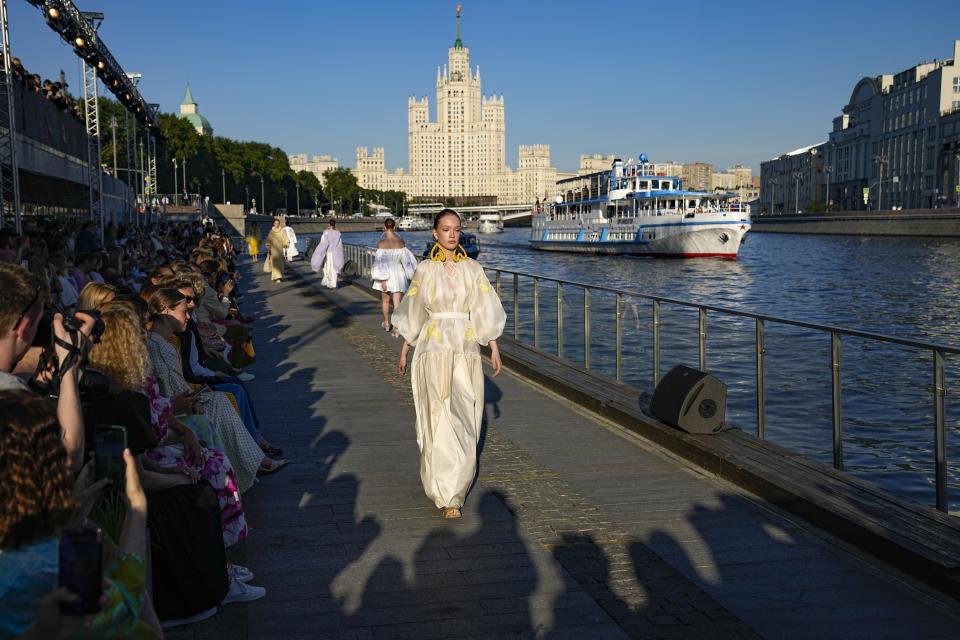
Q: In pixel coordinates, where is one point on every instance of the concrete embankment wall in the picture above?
(941, 223)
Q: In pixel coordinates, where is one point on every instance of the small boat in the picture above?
(633, 209)
(469, 241)
(491, 223)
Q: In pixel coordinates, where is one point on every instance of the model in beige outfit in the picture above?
(277, 243)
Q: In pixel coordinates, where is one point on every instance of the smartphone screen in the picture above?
(80, 569)
(110, 441)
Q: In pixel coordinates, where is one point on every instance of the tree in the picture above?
(342, 185)
(182, 140)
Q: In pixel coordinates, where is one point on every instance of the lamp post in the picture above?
(176, 187)
(827, 170)
(298, 199)
(141, 190)
(223, 181)
(956, 187)
(797, 176)
(263, 200)
(881, 160)
(246, 199)
(185, 178)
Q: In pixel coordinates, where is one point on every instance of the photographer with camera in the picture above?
(22, 301)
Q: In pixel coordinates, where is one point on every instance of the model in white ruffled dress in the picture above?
(449, 310)
(393, 266)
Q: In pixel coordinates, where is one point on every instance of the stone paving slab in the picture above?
(574, 530)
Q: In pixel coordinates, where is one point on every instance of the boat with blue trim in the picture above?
(633, 209)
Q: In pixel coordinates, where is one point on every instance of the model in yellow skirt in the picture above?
(253, 241)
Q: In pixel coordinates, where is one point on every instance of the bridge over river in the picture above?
(576, 528)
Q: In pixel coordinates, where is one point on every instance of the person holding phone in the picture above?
(43, 546)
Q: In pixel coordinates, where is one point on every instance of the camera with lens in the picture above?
(72, 324)
(92, 384)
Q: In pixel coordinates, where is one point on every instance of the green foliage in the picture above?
(244, 169)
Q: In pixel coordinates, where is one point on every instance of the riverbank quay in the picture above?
(575, 528)
(932, 223)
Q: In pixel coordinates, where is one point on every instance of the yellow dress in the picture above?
(253, 240)
(277, 242)
(449, 310)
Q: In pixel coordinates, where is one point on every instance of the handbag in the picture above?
(266, 264)
(244, 355)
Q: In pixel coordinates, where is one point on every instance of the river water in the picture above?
(899, 286)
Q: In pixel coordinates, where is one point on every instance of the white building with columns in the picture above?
(462, 154)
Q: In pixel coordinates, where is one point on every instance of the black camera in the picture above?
(91, 383)
(72, 324)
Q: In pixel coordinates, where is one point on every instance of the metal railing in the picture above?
(363, 256)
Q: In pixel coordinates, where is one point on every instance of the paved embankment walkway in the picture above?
(574, 530)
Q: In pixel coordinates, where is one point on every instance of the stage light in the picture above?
(79, 42)
(53, 13)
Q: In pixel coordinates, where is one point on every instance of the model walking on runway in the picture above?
(449, 310)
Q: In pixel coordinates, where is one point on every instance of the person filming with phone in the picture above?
(58, 577)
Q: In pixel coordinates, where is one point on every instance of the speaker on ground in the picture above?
(690, 400)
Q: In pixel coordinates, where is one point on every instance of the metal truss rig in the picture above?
(9, 169)
(77, 30)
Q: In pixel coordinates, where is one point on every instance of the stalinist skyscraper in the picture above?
(462, 153)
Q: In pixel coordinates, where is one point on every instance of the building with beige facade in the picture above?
(316, 165)
(697, 176)
(462, 154)
(891, 142)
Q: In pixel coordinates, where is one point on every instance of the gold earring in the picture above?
(438, 253)
(459, 253)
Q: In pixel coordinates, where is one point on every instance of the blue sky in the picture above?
(719, 82)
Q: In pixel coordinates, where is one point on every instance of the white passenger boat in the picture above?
(632, 210)
(491, 223)
(412, 223)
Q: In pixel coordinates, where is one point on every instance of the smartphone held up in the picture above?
(81, 553)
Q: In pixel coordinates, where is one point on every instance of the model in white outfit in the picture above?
(291, 251)
(449, 311)
(392, 269)
(329, 256)
(393, 266)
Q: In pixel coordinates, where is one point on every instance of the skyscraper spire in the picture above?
(458, 44)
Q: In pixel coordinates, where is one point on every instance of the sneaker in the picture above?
(243, 376)
(240, 592)
(238, 573)
(177, 622)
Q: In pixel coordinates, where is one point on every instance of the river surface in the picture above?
(905, 287)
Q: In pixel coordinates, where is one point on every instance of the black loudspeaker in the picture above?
(690, 400)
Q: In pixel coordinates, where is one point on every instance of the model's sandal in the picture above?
(451, 513)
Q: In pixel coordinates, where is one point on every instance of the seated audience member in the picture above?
(168, 313)
(122, 355)
(80, 273)
(94, 295)
(196, 373)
